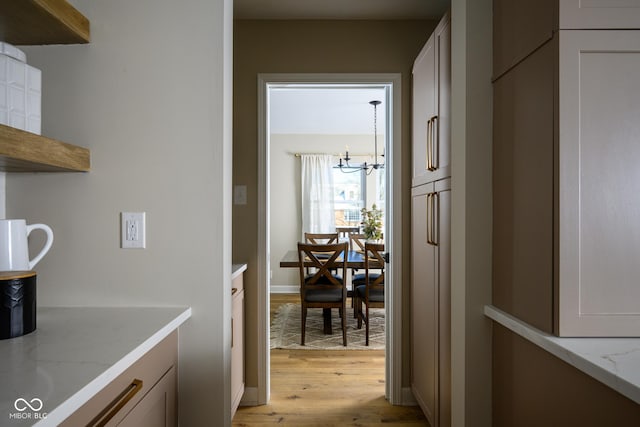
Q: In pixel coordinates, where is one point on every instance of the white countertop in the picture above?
(72, 354)
(237, 269)
(612, 361)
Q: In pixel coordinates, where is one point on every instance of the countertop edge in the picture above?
(237, 269)
(562, 348)
(82, 396)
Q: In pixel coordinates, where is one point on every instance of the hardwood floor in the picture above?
(327, 388)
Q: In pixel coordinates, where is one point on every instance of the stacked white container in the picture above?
(20, 90)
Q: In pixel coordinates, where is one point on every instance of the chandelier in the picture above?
(344, 165)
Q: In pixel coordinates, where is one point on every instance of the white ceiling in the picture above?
(329, 110)
(340, 9)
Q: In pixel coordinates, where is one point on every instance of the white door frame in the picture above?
(393, 293)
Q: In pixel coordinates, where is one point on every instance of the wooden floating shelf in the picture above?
(38, 22)
(22, 151)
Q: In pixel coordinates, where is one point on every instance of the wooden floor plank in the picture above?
(327, 388)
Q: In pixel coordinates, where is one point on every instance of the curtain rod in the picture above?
(336, 155)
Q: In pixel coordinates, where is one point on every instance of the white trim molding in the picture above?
(392, 83)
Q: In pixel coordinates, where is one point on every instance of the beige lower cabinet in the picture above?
(237, 344)
(431, 300)
(144, 395)
(158, 406)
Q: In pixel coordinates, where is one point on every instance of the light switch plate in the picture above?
(133, 230)
(240, 195)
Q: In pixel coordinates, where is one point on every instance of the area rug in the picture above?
(285, 330)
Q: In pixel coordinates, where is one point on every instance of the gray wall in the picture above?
(151, 97)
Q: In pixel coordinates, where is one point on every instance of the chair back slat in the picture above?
(356, 241)
(374, 259)
(321, 238)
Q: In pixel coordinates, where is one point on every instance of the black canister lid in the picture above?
(12, 275)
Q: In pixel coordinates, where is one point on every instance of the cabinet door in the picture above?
(441, 144)
(599, 14)
(424, 301)
(599, 183)
(431, 107)
(424, 109)
(443, 253)
(237, 351)
(158, 407)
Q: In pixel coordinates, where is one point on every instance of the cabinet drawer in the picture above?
(158, 408)
(122, 394)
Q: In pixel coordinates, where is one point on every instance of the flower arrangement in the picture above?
(372, 223)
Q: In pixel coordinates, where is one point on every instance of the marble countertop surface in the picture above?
(73, 353)
(612, 361)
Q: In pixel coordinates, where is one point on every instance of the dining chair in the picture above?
(323, 289)
(321, 238)
(369, 289)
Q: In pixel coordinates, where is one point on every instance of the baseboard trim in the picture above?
(284, 289)
(407, 397)
(250, 397)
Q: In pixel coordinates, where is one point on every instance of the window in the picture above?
(349, 192)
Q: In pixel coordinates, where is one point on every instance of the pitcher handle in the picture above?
(47, 245)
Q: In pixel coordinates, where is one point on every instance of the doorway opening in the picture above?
(283, 202)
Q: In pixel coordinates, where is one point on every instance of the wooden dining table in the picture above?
(355, 259)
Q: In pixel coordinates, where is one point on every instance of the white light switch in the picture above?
(133, 233)
(240, 195)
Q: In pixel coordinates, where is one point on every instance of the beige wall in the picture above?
(310, 47)
(150, 96)
(471, 137)
(284, 179)
(532, 387)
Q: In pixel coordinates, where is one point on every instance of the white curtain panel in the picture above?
(317, 194)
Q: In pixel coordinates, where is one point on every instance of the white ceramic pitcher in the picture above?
(14, 246)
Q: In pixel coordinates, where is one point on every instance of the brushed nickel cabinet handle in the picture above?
(116, 405)
(231, 332)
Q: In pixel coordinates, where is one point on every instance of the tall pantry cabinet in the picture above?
(431, 228)
(567, 165)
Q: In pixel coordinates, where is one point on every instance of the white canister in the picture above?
(20, 91)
